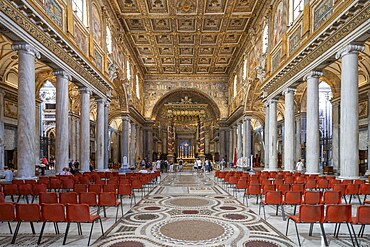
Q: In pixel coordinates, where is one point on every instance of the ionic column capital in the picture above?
(349, 49)
(272, 101)
(26, 48)
(247, 118)
(63, 74)
(288, 90)
(84, 90)
(100, 100)
(313, 74)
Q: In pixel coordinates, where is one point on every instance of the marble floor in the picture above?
(186, 209)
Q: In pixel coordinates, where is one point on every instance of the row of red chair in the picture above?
(56, 213)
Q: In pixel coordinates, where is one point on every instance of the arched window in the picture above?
(235, 84)
(109, 40)
(295, 9)
(137, 87)
(78, 7)
(265, 39)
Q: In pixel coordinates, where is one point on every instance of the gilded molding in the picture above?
(349, 49)
(26, 48)
(26, 23)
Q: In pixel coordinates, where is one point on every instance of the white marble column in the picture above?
(230, 146)
(133, 138)
(99, 136)
(335, 136)
(62, 135)
(266, 135)
(247, 147)
(106, 135)
(235, 141)
(125, 138)
(273, 152)
(85, 129)
(2, 136)
(26, 129)
(222, 144)
(289, 130)
(298, 129)
(313, 137)
(349, 134)
(71, 137)
(149, 146)
(240, 140)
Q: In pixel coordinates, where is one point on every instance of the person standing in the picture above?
(299, 166)
(223, 164)
(180, 165)
(8, 173)
(199, 164)
(206, 165)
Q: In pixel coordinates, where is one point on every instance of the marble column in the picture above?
(247, 147)
(222, 144)
(26, 129)
(239, 140)
(230, 146)
(125, 139)
(2, 136)
(62, 135)
(298, 129)
(273, 152)
(289, 130)
(335, 136)
(202, 136)
(77, 141)
(72, 136)
(235, 142)
(38, 131)
(106, 135)
(349, 127)
(133, 144)
(85, 129)
(99, 136)
(164, 143)
(313, 137)
(266, 135)
(149, 145)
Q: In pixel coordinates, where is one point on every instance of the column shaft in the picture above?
(133, 144)
(313, 138)
(289, 130)
(85, 130)
(230, 146)
(240, 140)
(99, 136)
(106, 136)
(335, 137)
(125, 140)
(273, 136)
(349, 128)
(247, 139)
(298, 153)
(266, 136)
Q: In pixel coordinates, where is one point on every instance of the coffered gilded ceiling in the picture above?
(186, 36)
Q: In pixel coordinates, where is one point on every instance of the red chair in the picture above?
(51, 213)
(252, 190)
(110, 188)
(308, 214)
(24, 190)
(353, 190)
(298, 188)
(365, 190)
(11, 190)
(18, 182)
(311, 184)
(312, 197)
(48, 197)
(7, 213)
(340, 188)
(125, 190)
(271, 198)
(26, 213)
(68, 184)
(68, 197)
(323, 184)
(108, 199)
(241, 185)
(292, 198)
(88, 198)
(2, 197)
(56, 184)
(78, 188)
(95, 188)
(283, 188)
(136, 184)
(362, 218)
(332, 197)
(340, 214)
(37, 189)
(80, 213)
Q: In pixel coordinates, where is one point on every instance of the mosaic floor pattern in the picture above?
(190, 210)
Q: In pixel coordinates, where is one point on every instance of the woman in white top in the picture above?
(299, 166)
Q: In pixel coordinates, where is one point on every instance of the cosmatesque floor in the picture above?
(187, 209)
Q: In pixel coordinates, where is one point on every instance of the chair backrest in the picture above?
(124, 189)
(39, 188)
(312, 197)
(68, 197)
(53, 212)
(347, 181)
(95, 188)
(298, 188)
(25, 189)
(109, 188)
(2, 197)
(7, 211)
(269, 187)
(284, 188)
(352, 189)
(107, 199)
(365, 189)
(48, 197)
(311, 213)
(88, 198)
(293, 198)
(332, 197)
(363, 215)
(273, 197)
(28, 212)
(67, 183)
(338, 213)
(254, 189)
(18, 181)
(78, 188)
(10, 189)
(78, 212)
(339, 188)
(322, 183)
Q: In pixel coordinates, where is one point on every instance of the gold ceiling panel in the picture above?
(186, 36)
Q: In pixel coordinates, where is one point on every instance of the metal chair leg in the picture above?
(92, 226)
(323, 234)
(16, 231)
(66, 234)
(41, 232)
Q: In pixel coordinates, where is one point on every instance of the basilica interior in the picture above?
(98, 92)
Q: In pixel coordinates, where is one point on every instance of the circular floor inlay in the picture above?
(190, 212)
(146, 216)
(196, 230)
(128, 244)
(189, 202)
(235, 216)
(228, 208)
(152, 208)
(259, 243)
